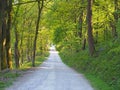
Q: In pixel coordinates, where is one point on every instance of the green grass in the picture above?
(102, 71)
(97, 83)
(38, 61)
(7, 79)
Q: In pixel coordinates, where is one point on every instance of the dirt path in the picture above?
(52, 75)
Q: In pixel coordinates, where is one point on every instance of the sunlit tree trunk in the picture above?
(89, 22)
(8, 46)
(0, 33)
(3, 25)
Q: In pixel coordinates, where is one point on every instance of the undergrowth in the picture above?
(102, 70)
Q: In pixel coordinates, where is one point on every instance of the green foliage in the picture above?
(62, 21)
(39, 60)
(102, 71)
(97, 83)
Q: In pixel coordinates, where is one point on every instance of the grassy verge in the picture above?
(28, 65)
(7, 78)
(101, 71)
(97, 83)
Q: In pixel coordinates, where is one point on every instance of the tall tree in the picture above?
(37, 28)
(16, 50)
(116, 8)
(0, 33)
(5, 24)
(8, 37)
(89, 23)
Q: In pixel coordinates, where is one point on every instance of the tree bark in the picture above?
(37, 28)
(0, 34)
(114, 32)
(5, 23)
(84, 44)
(21, 49)
(3, 33)
(8, 47)
(16, 50)
(89, 22)
(81, 21)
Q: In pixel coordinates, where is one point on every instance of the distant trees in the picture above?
(72, 23)
(19, 30)
(77, 21)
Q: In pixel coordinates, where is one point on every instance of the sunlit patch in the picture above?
(9, 50)
(53, 52)
(4, 42)
(45, 67)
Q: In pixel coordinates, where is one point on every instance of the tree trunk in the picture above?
(96, 37)
(21, 49)
(0, 33)
(3, 33)
(113, 25)
(8, 49)
(81, 21)
(37, 28)
(89, 22)
(16, 50)
(84, 44)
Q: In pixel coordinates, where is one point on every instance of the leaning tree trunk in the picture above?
(37, 28)
(89, 22)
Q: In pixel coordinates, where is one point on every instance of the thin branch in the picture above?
(22, 3)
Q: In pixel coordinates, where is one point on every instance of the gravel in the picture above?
(53, 74)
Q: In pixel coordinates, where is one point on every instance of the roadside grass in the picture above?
(28, 65)
(7, 78)
(101, 71)
(97, 83)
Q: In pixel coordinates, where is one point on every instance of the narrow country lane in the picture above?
(52, 75)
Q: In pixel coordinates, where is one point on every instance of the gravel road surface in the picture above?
(53, 74)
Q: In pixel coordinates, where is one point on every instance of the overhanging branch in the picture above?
(28, 2)
(22, 3)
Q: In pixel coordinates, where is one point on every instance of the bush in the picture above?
(106, 66)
